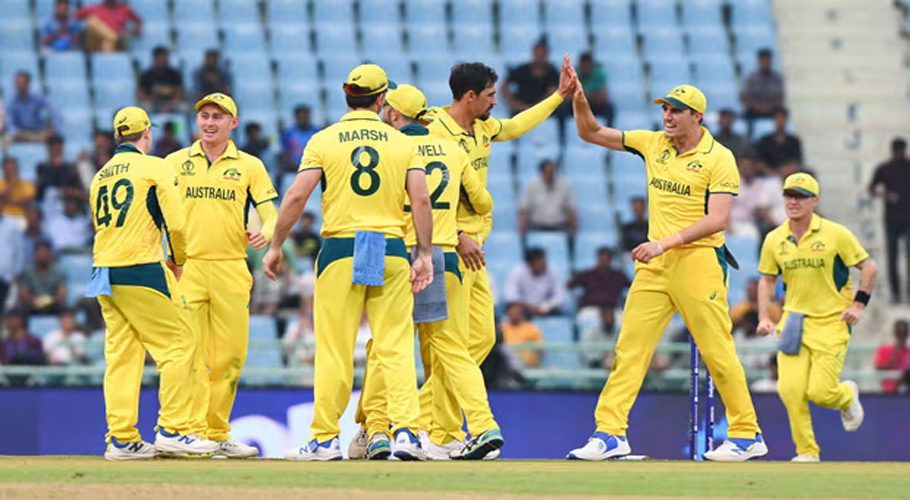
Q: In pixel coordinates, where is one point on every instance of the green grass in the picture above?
(660, 478)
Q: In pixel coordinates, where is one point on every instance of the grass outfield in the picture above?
(92, 477)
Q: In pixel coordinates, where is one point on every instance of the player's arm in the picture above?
(589, 129)
(171, 205)
(422, 215)
(868, 270)
(262, 192)
(713, 222)
(476, 193)
(766, 285)
(523, 122)
(291, 207)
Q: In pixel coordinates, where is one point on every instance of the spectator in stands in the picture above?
(11, 258)
(42, 286)
(306, 237)
(168, 143)
(16, 193)
(161, 86)
(767, 385)
(895, 357)
(19, 347)
(30, 118)
(531, 82)
(763, 91)
(518, 329)
(535, 286)
(779, 147)
(759, 207)
(56, 176)
(34, 233)
(106, 25)
(891, 182)
(71, 231)
(547, 203)
(90, 163)
(61, 32)
(594, 81)
(256, 143)
(635, 231)
(65, 345)
(212, 76)
(601, 288)
(738, 144)
(295, 139)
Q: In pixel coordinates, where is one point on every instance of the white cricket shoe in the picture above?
(442, 451)
(231, 448)
(853, 416)
(805, 459)
(407, 446)
(315, 451)
(183, 445)
(135, 450)
(738, 450)
(601, 446)
(357, 449)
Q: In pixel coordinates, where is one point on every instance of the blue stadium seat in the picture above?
(708, 42)
(283, 12)
(614, 41)
(197, 11)
(545, 135)
(16, 37)
(566, 13)
(334, 12)
(747, 13)
(244, 38)
(721, 94)
(567, 40)
(197, 36)
(750, 40)
(265, 351)
(18, 12)
(655, 14)
(397, 68)
(520, 12)
(555, 244)
(468, 38)
(382, 42)
(66, 94)
(333, 40)
(115, 93)
(427, 41)
(714, 69)
(75, 128)
(529, 157)
(645, 120)
(555, 329)
(265, 116)
(375, 13)
(502, 246)
(516, 42)
(233, 12)
(590, 239)
(335, 104)
(29, 156)
(437, 93)
(44, 10)
(420, 12)
(289, 39)
(298, 68)
(64, 66)
(662, 44)
(583, 160)
(590, 187)
(472, 13)
(13, 62)
(40, 325)
(505, 218)
(154, 33)
(150, 10)
(697, 14)
(610, 13)
(433, 69)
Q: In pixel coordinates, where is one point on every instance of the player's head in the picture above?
(216, 117)
(474, 87)
(683, 110)
(132, 126)
(405, 104)
(801, 192)
(366, 87)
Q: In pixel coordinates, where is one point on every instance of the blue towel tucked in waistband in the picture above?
(791, 337)
(430, 304)
(369, 258)
(100, 283)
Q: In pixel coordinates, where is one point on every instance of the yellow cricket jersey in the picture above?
(448, 177)
(364, 165)
(477, 147)
(679, 184)
(816, 269)
(217, 198)
(133, 199)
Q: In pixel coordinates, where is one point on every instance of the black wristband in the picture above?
(862, 297)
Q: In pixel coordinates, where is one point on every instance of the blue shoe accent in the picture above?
(165, 433)
(411, 437)
(744, 444)
(611, 440)
(482, 445)
(379, 449)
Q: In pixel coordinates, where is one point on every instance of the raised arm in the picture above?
(523, 122)
(589, 129)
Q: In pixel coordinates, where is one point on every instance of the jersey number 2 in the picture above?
(113, 199)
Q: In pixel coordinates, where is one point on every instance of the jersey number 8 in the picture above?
(369, 170)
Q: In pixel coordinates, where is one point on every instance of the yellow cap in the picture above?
(685, 96)
(802, 182)
(407, 100)
(131, 120)
(223, 101)
(366, 79)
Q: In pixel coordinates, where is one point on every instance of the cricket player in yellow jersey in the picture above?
(814, 255)
(440, 310)
(220, 184)
(468, 123)
(133, 200)
(368, 172)
(692, 180)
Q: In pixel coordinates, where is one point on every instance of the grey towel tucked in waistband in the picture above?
(791, 336)
(430, 304)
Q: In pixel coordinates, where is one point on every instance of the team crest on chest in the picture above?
(486, 141)
(783, 248)
(232, 174)
(694, 166)
(188, 168)
(464, 145)
(818, 246)
(664, 156)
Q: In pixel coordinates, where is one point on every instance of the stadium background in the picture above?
(846, 88)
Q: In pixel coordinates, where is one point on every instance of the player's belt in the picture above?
(343, 248)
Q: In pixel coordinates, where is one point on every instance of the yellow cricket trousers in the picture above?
(218, 293)
(691, 280)
(146, 312)
(813, 375)
(338, 306)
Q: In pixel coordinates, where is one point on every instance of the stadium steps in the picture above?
(846, 88)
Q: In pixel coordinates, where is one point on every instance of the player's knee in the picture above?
(822, 393)
(790, 392)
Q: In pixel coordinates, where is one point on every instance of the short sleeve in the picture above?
(312, 156)
(416, 162)
(261, 188)
(724, 177)
(850, 249)
(636, 141)
(767, 264)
